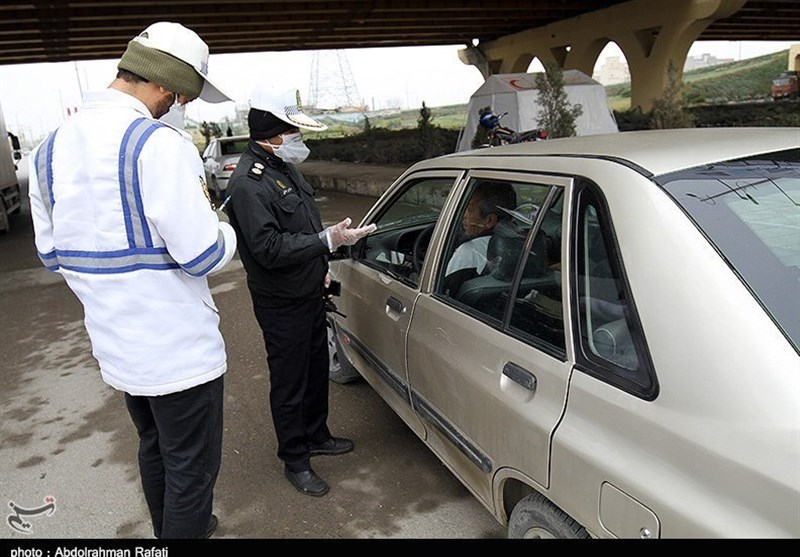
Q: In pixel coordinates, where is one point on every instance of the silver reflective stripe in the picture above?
(115, 261)
(48, 260)
(200, 265)
(44, 172)
(141, 254)
(132, 142)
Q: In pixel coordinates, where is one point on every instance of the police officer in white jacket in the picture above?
(119, 209)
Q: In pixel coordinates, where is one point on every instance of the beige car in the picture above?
(623, 358)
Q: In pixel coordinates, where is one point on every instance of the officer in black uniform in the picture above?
(284, 250)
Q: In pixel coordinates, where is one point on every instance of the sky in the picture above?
(35, 98)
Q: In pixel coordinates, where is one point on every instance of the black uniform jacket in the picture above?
(277, 224)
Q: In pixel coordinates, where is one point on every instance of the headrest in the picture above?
(503, 251)
(505, 247)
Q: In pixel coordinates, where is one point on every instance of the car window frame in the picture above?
(586, 362)
(554, 182)
(392, 195)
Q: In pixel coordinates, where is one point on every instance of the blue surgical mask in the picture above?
(292, 150)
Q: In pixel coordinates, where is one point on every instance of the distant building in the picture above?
(704, 61)
(613, 71)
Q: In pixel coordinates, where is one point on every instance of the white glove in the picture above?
(341, 235)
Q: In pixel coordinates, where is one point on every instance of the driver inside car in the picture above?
(484, 211)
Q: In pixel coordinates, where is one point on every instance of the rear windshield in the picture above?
(750, 210)
(233, 147)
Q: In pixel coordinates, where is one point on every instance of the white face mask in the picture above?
(176, 116)
(292, 150)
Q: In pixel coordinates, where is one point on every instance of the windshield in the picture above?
(750, 210)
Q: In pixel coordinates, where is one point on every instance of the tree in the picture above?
(207, 130)
(425, 117)
(558, 115)
(670, 110)
(427, 136)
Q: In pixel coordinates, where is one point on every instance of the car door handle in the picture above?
(395, 305)
(520, 376)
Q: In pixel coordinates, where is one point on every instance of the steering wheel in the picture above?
(528, 209)
(421, 247)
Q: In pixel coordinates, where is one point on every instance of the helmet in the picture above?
(489, 120)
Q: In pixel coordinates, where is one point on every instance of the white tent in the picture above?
(516, 94)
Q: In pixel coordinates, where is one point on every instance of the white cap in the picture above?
(285, 105)
(185, 45)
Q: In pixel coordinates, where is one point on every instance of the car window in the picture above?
(209, 149)
(612, 344)
(234, 147)
(485, 243)
(404, 229)
(750, 210)
(538, 311)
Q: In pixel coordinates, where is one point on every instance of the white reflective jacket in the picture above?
(119, 210)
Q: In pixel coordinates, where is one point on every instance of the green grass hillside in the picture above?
(746, 80)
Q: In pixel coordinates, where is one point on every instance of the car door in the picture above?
(380, 284)
(487, 364)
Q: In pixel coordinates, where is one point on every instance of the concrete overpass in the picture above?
(499, 35)
(651, 34)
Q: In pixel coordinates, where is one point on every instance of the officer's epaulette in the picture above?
(256, 170)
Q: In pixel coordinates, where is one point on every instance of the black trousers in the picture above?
(180, 448)
(297, 354)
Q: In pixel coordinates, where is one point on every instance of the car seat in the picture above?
(486, 293)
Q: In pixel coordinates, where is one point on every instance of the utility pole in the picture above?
(332, 86)
(78, 77)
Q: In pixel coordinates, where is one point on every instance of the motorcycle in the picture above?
(502, 135)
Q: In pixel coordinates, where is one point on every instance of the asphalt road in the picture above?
(65, 434)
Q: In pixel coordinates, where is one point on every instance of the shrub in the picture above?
(558, 114)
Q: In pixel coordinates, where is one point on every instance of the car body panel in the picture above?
(455, 381)
(712, 450)
(379, 311)
(717, 431)
(441, 338)
(373, 331)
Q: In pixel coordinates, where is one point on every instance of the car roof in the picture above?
(653, 151)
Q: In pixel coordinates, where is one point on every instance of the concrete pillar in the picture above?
(794, 58)
(650, 33)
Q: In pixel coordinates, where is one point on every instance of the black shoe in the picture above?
(212, 526)
(333, 446)
(307, 482)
